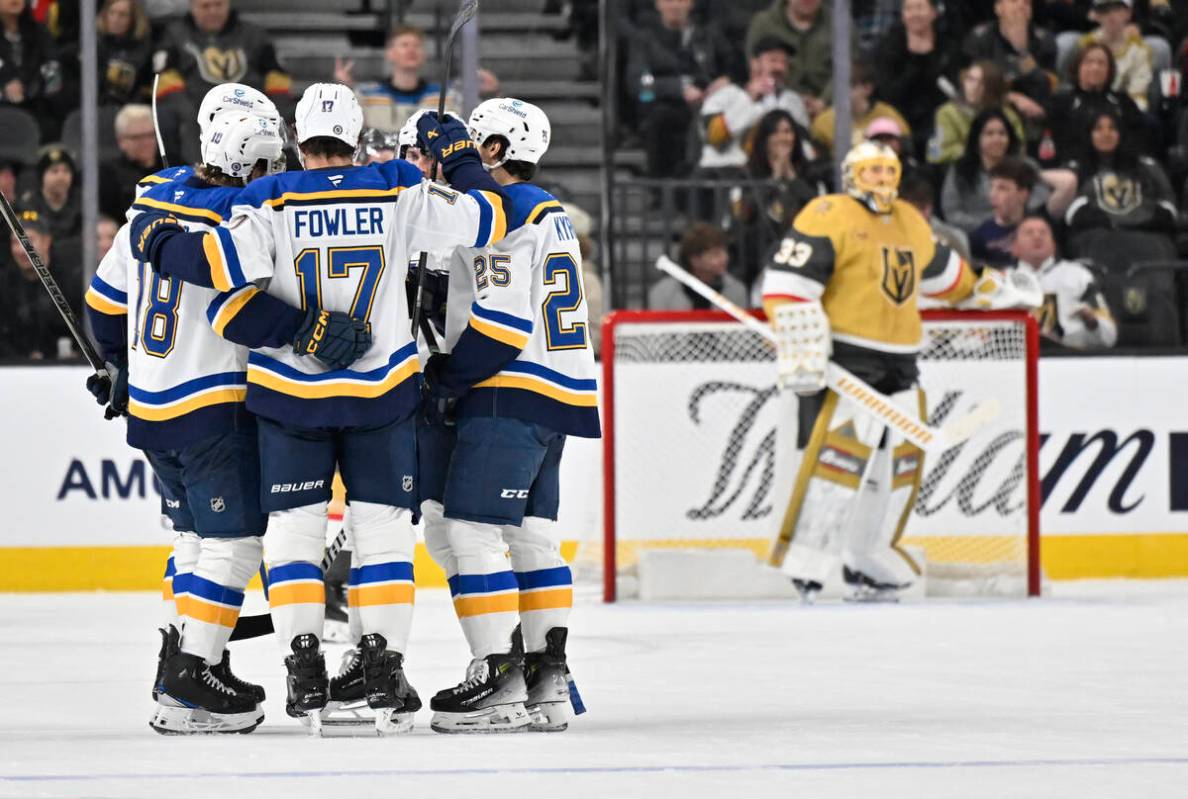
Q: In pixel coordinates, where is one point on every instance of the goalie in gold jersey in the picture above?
(850, 271)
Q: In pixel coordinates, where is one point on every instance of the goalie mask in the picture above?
(523, 125)
(236, 142)
(870, 174)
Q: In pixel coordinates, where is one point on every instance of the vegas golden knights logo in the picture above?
(1048, 317)
(220, 66)
(1118, 194)
(899, 274)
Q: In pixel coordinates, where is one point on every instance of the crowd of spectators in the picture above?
(1003, 111)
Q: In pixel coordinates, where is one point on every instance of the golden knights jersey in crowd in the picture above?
(339, 238)
(516, 322)
(867, 269)
(184, 382)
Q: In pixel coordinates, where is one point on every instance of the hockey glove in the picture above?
(110, 388)
(449, 141)
(437, 403)
(148, 231)
(334, 338)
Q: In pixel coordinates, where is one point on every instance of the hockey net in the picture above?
(699, 449)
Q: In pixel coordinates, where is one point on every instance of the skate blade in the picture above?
(496, 719)
(312, 721)
(873, 598)
(550, 716)
(176, 719)
(390, 721)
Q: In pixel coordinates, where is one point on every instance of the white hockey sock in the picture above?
(293, 549)
(381, 583)
(178, 568)
(486, 595)
(215, 594)
(545, 581)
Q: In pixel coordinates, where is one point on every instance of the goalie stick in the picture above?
(465, 14)
(156, 125)
(51, 286)
(871, 402)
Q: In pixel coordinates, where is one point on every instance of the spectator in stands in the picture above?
(918, 190)
(779, 168)
(138, 157)
(910, 59)
(55, 199)
(982, 87)
(30, 74)
(729, 115)
(125, 52)
(209, 46)
(1132, 56)
(807, 28)
(872, 20)
(387, 105)
(1011, 183)
(965, 195)
(1118, 188)
(702, 251)
(1073, 110)
(886, 130)
(30, 326)
(1025, 53)
(9, 172)
(674, 65)
(105, 232)
(1075, 312)
(864, 109)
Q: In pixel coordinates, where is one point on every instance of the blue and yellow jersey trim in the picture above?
(207, 601)
(539, 379)
(296, 583)
(332, 197)
(225, 270)
(227, 306)
(284, 379)
(545, 589)
(541, 210)
(492, 218)
(167, 175)
(189, 213)
(502, 327)
(105, 298)
(381, 584)
(480, 594)
(201, 392)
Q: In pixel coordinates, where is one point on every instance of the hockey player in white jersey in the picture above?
(337, 236)
(185, 401)
(519, 378)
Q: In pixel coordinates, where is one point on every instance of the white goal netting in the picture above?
(701, 448)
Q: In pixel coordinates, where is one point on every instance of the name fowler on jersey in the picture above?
(338, 221)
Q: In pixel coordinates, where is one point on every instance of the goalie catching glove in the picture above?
(803, 345)
(334, 338)
(1000, 290)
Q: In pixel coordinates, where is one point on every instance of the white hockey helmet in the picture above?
(236, 141)
(525, 127)
(231, 97)
(329, 109)
(407, 137)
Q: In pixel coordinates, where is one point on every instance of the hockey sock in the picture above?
(485, 591)
(215, 594)
(178, 568)
(380, 589)
(293, 549)
(545, 581)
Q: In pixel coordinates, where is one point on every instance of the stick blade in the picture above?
(959, 430)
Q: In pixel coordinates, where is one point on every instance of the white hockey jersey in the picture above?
(1069, 287)
(185, 382)
(517, 326)
(341, 238)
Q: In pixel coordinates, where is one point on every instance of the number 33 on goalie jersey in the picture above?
(867, 270)
(340, 239)
(517, 326)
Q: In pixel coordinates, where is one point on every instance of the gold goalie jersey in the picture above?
(867, 270)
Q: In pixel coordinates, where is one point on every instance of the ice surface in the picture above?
(1077, 695)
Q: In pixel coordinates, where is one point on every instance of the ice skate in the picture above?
(222, 670)
(549, 685)
(385, 686)
(193, 700)
(862, 588)
(808, 590)
(170, 643)
(308, 686)
(348, 708)
(490, 699)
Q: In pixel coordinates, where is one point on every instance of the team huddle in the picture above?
(416, 327)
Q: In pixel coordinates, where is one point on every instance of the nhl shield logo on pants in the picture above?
(217, 504)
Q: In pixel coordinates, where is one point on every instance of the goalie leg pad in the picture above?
(381, 581)
(544, 578)
(485, 591)
(215, 594)
(293, 550)
(178, 569)
(889, 496)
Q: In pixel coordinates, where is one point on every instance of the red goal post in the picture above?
(697, 456)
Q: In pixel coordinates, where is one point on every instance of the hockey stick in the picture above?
(261, 624)
(156, 125)
(465, 14)
(51, 286)
(871, 402)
